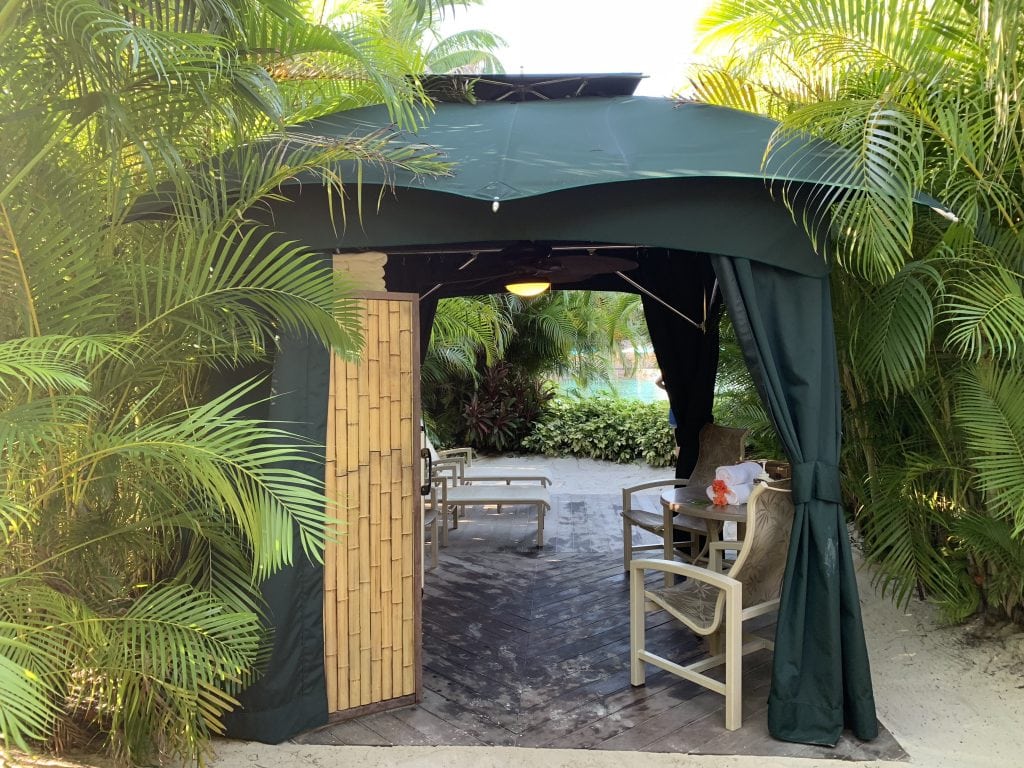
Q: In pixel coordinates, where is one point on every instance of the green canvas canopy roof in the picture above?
(616, 168)
(507, 151)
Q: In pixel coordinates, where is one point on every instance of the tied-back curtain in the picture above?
(821, 679)
(291, 695)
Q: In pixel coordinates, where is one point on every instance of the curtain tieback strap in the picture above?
(816, 480)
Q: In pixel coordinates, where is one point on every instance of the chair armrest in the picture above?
(445, 467)
(675, 481)
(457, 454)
(719, 580)
(460, 460)
(717, 549)
(627, 493)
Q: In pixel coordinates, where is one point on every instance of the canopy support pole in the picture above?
(699, 326)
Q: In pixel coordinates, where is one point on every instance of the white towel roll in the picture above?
(739, 474)
(734, 494)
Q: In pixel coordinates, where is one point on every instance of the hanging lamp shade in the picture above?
(527, 289)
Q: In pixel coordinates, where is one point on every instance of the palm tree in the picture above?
(140, 508)
(929, 313)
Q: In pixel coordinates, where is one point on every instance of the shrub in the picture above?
(605, 428)
(507, 403)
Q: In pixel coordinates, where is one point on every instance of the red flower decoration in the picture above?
(720, 489)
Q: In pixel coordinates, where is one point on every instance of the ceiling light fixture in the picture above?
(527, 289)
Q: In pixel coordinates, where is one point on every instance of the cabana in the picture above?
(572, 180)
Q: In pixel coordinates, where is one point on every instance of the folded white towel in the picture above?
(734, 494)
(739, 474)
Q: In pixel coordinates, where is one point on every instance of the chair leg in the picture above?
(540, 526)
(637, 632)
(434, 544)
(734, 662)
(627, 534)
(716, 642)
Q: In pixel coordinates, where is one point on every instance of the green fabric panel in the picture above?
(821, 679)
(291, 695)
(721, 216)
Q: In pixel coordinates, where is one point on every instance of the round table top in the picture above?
(695, 502)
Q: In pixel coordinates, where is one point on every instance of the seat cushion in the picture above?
(499, 494)
(505, 474)
(654, 523)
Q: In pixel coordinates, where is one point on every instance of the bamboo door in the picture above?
(372, 569)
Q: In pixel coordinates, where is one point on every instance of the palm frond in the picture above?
(163, 664)
(869, 197)
(899, 535)
(468, 48)
(999, 557)
(240, 465)
(895, 326)
(990, 411)
(984, 311)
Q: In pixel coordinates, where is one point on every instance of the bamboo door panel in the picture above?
(371, 570)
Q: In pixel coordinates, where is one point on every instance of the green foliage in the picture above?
(929, 313)
(605, 428)
(996, 562)
(505, 406)
(405, 23)
(563, 333)
(142, 499)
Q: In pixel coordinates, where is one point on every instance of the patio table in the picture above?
(693, 503)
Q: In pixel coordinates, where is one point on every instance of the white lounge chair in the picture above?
(448, 495)
(468, 472)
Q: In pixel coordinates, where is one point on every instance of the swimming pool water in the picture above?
(628, 389)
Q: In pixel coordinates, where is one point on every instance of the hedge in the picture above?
(606, 428)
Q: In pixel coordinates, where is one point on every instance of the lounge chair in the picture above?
(448, 494)
(715, 604)
(468, 472)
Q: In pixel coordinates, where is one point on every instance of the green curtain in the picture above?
(821, 679)
(291, 695)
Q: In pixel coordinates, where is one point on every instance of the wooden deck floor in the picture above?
(530, 647)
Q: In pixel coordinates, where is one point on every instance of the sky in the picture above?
(653, 37)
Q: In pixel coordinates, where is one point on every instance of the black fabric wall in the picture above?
(687, 356)
(291, 695)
